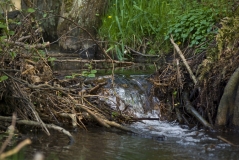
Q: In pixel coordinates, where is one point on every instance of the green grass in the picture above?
(144, 25)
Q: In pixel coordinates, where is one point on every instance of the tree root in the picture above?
(228, 107)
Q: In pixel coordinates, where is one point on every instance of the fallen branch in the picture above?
(37, 124)
(97, 87)
(94, 61)
(28, 46)
(141, 54)
(116, 125)
(192, 111)
(104, 122)
(224, 140)
(98, 119)
(184, 61)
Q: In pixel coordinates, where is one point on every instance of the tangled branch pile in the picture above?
(29, 88)
(213, 69)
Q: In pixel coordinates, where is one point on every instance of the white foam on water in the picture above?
(130, 100)
(157, 127)
(183, 135)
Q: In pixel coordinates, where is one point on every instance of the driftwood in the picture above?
(37, 124)
(192, 111)
(224, 140)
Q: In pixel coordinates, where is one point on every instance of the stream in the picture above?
(154, 139)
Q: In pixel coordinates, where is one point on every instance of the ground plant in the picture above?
(147, 25)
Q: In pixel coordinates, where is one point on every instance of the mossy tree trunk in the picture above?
(228, 110)
(85, 13)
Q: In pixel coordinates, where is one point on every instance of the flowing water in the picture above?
(155, 139)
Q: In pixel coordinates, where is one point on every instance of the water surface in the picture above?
(103, 144)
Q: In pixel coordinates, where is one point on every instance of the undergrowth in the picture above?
(147, 25)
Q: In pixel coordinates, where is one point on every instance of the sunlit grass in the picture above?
(145, 24)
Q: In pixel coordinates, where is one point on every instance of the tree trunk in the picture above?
(228, 110)
(86, 14)
(50, 22)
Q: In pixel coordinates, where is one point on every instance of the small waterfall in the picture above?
(131, 95)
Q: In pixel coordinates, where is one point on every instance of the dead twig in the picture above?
(184, 61)
(16, 149)
(28, 46)
(11, 132)
(38, 124)
(224, 140)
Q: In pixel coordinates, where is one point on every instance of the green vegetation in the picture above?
(3, 78)
(227, 34)
(196, 27)
(90, 72)
(147, 25)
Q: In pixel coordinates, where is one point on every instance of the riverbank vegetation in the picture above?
(201, 35)
(206, 33)
(147, 26)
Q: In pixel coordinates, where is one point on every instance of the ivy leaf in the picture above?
(91, 75)
(44, 15)
(68, 77)
(51, 59)
(3, 78)
(3, 25)
(93, 71)
(31, 10)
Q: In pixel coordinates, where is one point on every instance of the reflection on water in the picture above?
(98, 144)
